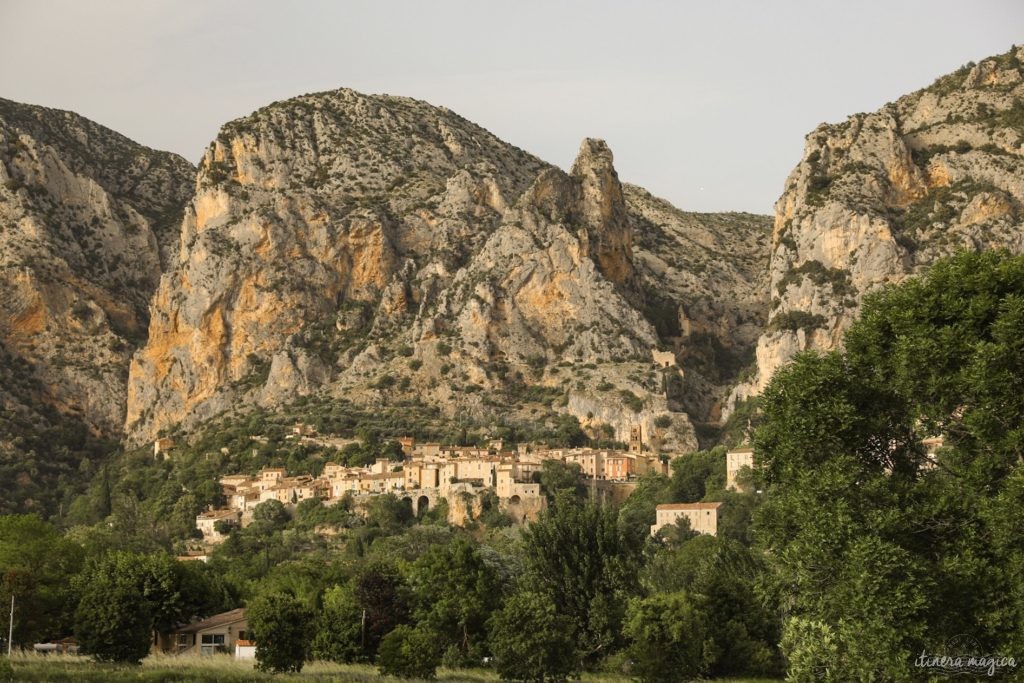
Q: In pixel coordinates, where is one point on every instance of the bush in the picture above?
(663, 421)
(280, 624)
(443, 348)
(632, 401)
(796, 320)
(812, 650)
(667, 634)
(531, 641)
(409, 652)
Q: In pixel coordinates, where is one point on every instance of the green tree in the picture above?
(125, 597)
(697, 474)
(721, 579)
(894, 551)
(557, 477)
(667, 633)
(456, 593)
(272, 514)
(389, 513)
(409, 652)
(531, 641)
(357, 615)
(280, 625)
(36, 566)
(577, 558)
(112, 622)
(339, 627)
(639, 510)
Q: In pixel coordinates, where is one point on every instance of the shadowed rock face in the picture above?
(89, 221)
(335, 237)
(881, 196)
(602, 209)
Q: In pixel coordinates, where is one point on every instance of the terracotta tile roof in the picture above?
(216, 620)
(689, 506)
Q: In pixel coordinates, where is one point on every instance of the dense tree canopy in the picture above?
(37, 565)
(125, 596)
(281, 625)
(889, 550)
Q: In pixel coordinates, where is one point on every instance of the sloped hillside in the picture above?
(89, 220)
(883, 195)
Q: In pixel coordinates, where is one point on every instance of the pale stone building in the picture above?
(162, 446)
(206, 522)
(703, 517)
(217, 634)
(735, 460)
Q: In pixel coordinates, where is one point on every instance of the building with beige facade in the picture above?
(736, 460)
(703, 517)
(220, 633)
(206, 522)
(431, 472)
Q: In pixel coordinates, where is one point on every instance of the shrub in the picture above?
(409, 652)
(279, 623)
(819, 275)
(663, 421)
(531, 641)
(796, 320)
(631, 400)
(812, 650)
(443, 348)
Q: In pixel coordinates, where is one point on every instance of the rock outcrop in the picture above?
(377, 247)
(881, 196)
(90, 220)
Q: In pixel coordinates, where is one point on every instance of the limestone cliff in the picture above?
(883, 195)
(377, 248)
(89, 220)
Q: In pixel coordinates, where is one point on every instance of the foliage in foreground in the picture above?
(280, 625)
(879, 550)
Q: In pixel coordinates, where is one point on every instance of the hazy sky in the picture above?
(704, 103)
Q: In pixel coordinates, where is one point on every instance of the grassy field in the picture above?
(216, 668)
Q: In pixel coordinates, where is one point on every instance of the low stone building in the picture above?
(207, 521)
(703, 517)
(219, 633)
(162, 446)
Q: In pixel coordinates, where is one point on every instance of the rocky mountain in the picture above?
(881, 196)
(89, 221)
(373, 248)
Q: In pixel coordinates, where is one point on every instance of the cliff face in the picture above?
(377, 247)
(883, 195)
(89, 220)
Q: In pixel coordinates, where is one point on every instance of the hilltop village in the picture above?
(461, 476)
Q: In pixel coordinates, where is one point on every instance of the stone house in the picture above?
(162, 446)
(703, 517)
(206, 522)
(219, 633)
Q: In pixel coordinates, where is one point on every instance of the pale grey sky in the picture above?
(704, 103)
